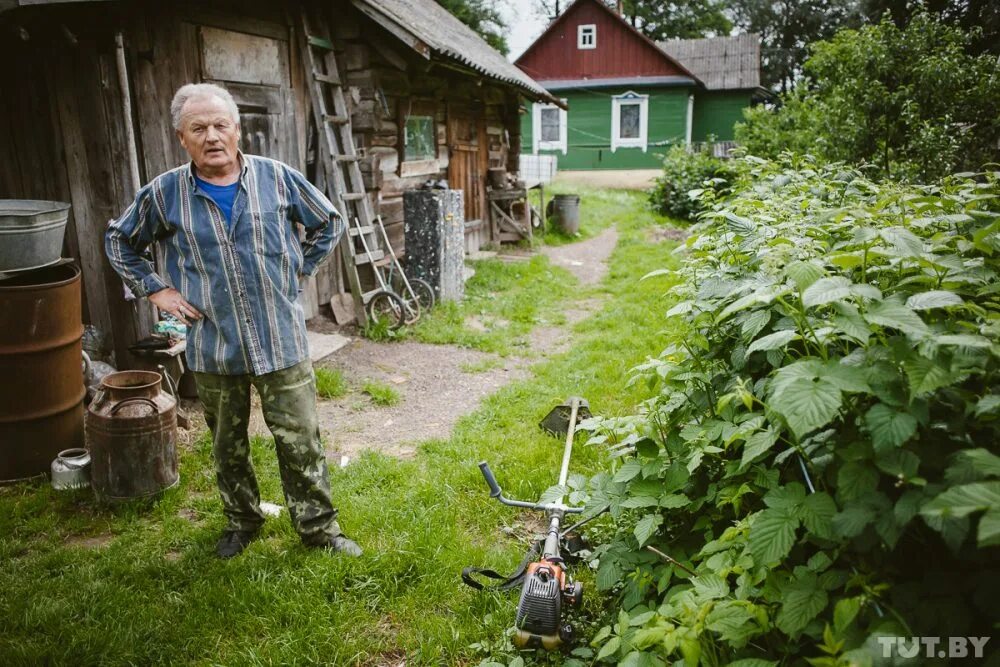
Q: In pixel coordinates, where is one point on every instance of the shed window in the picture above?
(549, 128)
(629, 121)
(419, 139)
(586, 36)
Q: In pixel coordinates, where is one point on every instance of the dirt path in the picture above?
(438, 384)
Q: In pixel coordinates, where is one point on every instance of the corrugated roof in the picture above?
(445, 34)
(722, 63)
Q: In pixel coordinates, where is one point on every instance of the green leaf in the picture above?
(773, 341)
(934, 299)
(804, 274)
(989, 529)
(754, 322)
(889, 427)
(674, 500)
(926, 375)
(710, 586)
(970, 465)
(609, 573)
(801, 602)
(787, 497)
(807, 404)
(856, 480)
(734, 622)
(646, 527)
(963, 340)
(848, 319)
(757, 444)
(895, 315)
(988, 405)
(629, 470)
(610, 648)
(904, 242)
(844, 612)
(753, 662)
(635, 502)
(898, 462)
(853, 519)
(848, 379)
(772, 535)
(827, 290)
(960, 501)
(817, 512)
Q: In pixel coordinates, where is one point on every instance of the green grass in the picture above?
(156, 594)
(330, 383)
(481, 366)
(503, 302)
(380, 393)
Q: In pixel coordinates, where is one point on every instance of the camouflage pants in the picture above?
(288, 400)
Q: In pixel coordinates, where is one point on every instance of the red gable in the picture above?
(620, 50)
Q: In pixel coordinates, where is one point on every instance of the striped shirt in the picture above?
(242, 277)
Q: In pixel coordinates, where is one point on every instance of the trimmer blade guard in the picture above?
(557, 421)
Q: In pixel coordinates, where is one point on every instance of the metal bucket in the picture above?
(132, 437)
(41, 382)
(71, 470)
(31, 233)
(566, 209)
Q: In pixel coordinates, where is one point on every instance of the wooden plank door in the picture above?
(465, 162)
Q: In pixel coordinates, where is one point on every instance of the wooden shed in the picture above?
(87, 86)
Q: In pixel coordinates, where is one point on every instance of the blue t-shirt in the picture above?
(222, 195)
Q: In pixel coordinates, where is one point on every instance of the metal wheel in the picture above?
(384, 306)
(424, 293)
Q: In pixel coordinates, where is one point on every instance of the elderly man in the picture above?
(227, 224)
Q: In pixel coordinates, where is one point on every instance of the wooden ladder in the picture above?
(338, 156)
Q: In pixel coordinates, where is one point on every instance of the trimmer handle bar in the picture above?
(497, 492)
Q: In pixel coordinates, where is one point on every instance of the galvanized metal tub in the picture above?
(31, 233)
(41, 379)
(566, 210)
(131, 431)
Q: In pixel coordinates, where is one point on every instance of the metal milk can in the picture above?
(71, 469)
(131, 430)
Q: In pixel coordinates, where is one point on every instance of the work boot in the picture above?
(342, 544)
(233, 542)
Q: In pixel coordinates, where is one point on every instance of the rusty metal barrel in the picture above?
(41, 379)
(131, 431)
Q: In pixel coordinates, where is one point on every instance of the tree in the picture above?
(915, 103)
(484, 17)
(787, 27)
(686, 20)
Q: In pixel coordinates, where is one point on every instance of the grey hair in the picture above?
(192, 90)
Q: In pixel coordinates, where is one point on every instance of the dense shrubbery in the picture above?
(821, 448)
(685, 176)
(913, 103)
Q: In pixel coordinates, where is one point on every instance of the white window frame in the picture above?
(536, 129)
(583, 31)
(617, 141)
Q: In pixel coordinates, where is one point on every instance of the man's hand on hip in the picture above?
(170, 301)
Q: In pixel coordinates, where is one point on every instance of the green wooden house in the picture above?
(629, 99)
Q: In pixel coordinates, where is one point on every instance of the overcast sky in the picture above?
(525, 25)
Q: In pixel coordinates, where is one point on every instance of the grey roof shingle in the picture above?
(722, 63)
(442, 32)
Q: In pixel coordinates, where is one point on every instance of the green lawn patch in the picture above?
(380, 393)
(330, 383)
(154, 593)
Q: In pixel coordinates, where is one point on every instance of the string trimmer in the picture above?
(542, 575)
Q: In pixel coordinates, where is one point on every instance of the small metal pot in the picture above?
(71, 470)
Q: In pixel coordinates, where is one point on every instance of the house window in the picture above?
(586, 36)
(629, 121)
(419, 139)
(549, 128)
